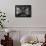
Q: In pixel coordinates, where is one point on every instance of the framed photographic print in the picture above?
(23, 11)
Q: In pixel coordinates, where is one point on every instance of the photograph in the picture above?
(23, 11)
(22, 22)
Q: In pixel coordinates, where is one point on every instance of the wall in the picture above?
(38, 18)
(36, 23)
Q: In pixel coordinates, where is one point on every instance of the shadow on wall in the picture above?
(16, 43)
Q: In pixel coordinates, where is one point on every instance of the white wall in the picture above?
(38, 18)
(36, 23)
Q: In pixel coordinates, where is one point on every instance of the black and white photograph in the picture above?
(23, 10)
(22, 22)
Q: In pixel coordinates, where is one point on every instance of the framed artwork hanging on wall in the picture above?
(23, 11)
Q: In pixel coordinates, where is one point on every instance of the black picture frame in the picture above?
(23, 11)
